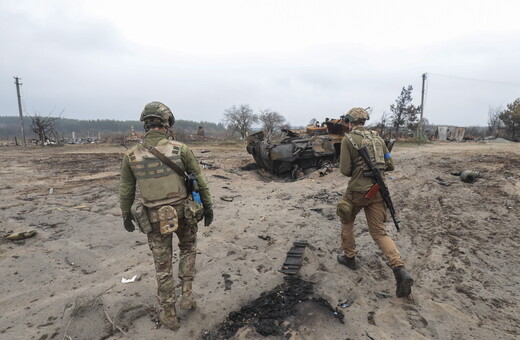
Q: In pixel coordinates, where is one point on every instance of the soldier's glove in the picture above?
(208, 216)
(127, 222)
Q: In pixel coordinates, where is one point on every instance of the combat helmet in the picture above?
(157, 114)
(357, 115)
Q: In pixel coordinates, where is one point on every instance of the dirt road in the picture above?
(459, 240)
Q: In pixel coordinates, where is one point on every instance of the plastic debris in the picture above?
(344, 303)
(132, 279)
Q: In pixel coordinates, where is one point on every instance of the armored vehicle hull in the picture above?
(297, 151)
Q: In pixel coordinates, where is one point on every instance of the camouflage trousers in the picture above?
(161, 247)
(375, 212)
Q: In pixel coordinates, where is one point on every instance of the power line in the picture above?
(473, 79)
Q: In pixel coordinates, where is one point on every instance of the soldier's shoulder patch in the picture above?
(133, 149)
(176, 143)
(176, 146)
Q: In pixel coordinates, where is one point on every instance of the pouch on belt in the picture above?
(344, 211)
(138, 210)
(168, 219)
(193, 212)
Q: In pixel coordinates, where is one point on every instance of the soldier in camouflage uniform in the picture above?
(160, 186)
(354, 200)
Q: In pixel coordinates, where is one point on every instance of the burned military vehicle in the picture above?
(315, 147)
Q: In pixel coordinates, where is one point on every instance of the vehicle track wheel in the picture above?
(297, 173)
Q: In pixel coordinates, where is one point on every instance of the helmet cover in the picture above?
(357, 115)
(158, 113)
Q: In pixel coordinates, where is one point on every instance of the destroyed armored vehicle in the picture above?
(315, 147)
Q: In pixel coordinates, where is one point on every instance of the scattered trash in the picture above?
(294, 258)
(391, 177)
(21, 236)
(208, 166)
(384, 295)
(132, 279)
(51, 190)
(442, 182)
(222, 177)
(229, 198)
(470, 176)
(345, 303)
(205, 151)
(265, 237)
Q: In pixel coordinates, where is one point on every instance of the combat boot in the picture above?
(404, 282)
(349, 262)
(187, 299)
(168, 318)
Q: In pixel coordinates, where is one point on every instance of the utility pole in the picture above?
(17, 82)
(420, 127)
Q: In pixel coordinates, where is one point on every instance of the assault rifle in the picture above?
(379, 184)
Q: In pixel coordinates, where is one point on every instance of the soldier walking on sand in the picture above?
(352, 165)
(165, 205)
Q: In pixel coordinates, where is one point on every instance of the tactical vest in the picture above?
(374, 145)
(158, 183)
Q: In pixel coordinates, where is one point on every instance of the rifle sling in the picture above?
(164, 159)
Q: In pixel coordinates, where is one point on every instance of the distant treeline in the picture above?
(10, 127)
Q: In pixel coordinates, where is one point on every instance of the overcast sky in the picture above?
(304, 59)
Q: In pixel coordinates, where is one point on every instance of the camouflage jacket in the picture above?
(351, 163)
(128, 180)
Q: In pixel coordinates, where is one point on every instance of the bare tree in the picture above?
(382, 124)
(240, 119)
(271, 121)
(494, 122)
(44, 127)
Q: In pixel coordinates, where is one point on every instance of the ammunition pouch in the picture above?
(139, 212)
(168, 219)
(344, 210)
(193, 212)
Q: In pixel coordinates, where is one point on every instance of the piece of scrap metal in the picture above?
(294, 258)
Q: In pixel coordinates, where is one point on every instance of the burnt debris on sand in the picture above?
(268, 312)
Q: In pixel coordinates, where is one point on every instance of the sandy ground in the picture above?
(460, 241)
